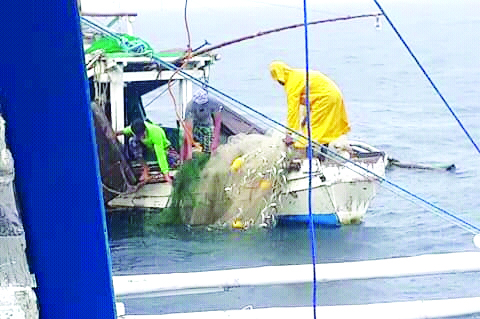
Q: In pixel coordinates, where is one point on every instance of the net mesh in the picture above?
(240, 186)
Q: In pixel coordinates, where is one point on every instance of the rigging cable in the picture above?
(313, 241)
(156, 97)
(426, 75)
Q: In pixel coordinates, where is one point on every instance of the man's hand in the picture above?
(288, 140)
(168, 178)
(145, 177)
(304, 122)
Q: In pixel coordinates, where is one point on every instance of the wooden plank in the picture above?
(148, 196)
(141, 202)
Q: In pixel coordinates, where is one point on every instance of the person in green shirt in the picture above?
(150, 136)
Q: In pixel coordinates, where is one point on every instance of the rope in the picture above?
(189, 48)
(427, 76)
(313, 241)
(113, 191)
(156, 97)
(187, 57)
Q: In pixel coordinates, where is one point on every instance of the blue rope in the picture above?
(459, 220)
(427, 76)
(463, 223)
(309, 155)
(103, 30)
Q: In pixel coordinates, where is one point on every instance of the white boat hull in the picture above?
(341, 192)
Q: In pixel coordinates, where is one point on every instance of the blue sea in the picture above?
(390, 105)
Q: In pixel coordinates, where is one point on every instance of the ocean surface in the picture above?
(390, 105)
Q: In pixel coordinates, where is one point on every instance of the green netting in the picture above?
(126, 43)
(182, 200)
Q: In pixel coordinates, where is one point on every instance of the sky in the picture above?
(135, 5)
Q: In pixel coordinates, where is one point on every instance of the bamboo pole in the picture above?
(417, 309)
(293, 274)
(262, 33)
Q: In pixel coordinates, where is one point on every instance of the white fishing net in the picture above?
(242, 184)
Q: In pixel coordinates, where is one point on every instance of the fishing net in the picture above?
(183, 195)
(240, 186)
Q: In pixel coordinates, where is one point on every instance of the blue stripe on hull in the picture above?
(325, 220)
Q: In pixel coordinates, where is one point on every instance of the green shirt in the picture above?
(155, 139)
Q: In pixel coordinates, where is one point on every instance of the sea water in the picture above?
(390, 104)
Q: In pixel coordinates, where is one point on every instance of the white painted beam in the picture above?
(185, 94)
(117, 99)
(147, 75)
(164, 75)
(272, 275)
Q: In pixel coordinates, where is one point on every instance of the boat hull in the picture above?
(341, 192)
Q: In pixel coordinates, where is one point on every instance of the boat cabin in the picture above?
(118, 80)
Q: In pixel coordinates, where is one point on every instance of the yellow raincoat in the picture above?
(328, 116)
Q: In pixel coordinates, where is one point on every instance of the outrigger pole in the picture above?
(262, 33)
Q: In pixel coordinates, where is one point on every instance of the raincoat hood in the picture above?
(279, 71)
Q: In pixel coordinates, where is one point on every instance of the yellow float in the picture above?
(236, 164)
(238, 224)
(265, 184)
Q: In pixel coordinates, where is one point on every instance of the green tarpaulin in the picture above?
(126, 43)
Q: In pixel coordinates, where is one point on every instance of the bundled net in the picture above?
(183, 195)
(241, 185)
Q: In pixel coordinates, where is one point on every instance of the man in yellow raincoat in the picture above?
(328, 116)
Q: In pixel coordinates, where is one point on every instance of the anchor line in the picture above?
(466, 225)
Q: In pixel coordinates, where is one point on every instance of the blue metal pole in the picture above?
(44, 90)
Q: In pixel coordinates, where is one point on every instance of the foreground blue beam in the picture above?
(45, 99)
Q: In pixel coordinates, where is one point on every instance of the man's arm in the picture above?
(145, 171)
(126, 131)
(217, 125)
(186, 150)
(161, 155)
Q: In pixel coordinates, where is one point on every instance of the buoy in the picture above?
(237, 224)
(265, 184)
(236, 164)
(476, 240)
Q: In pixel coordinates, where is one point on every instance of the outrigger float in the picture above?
(342, 189)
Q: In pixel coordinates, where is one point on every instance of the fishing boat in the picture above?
(342, 187)
(341, 191)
